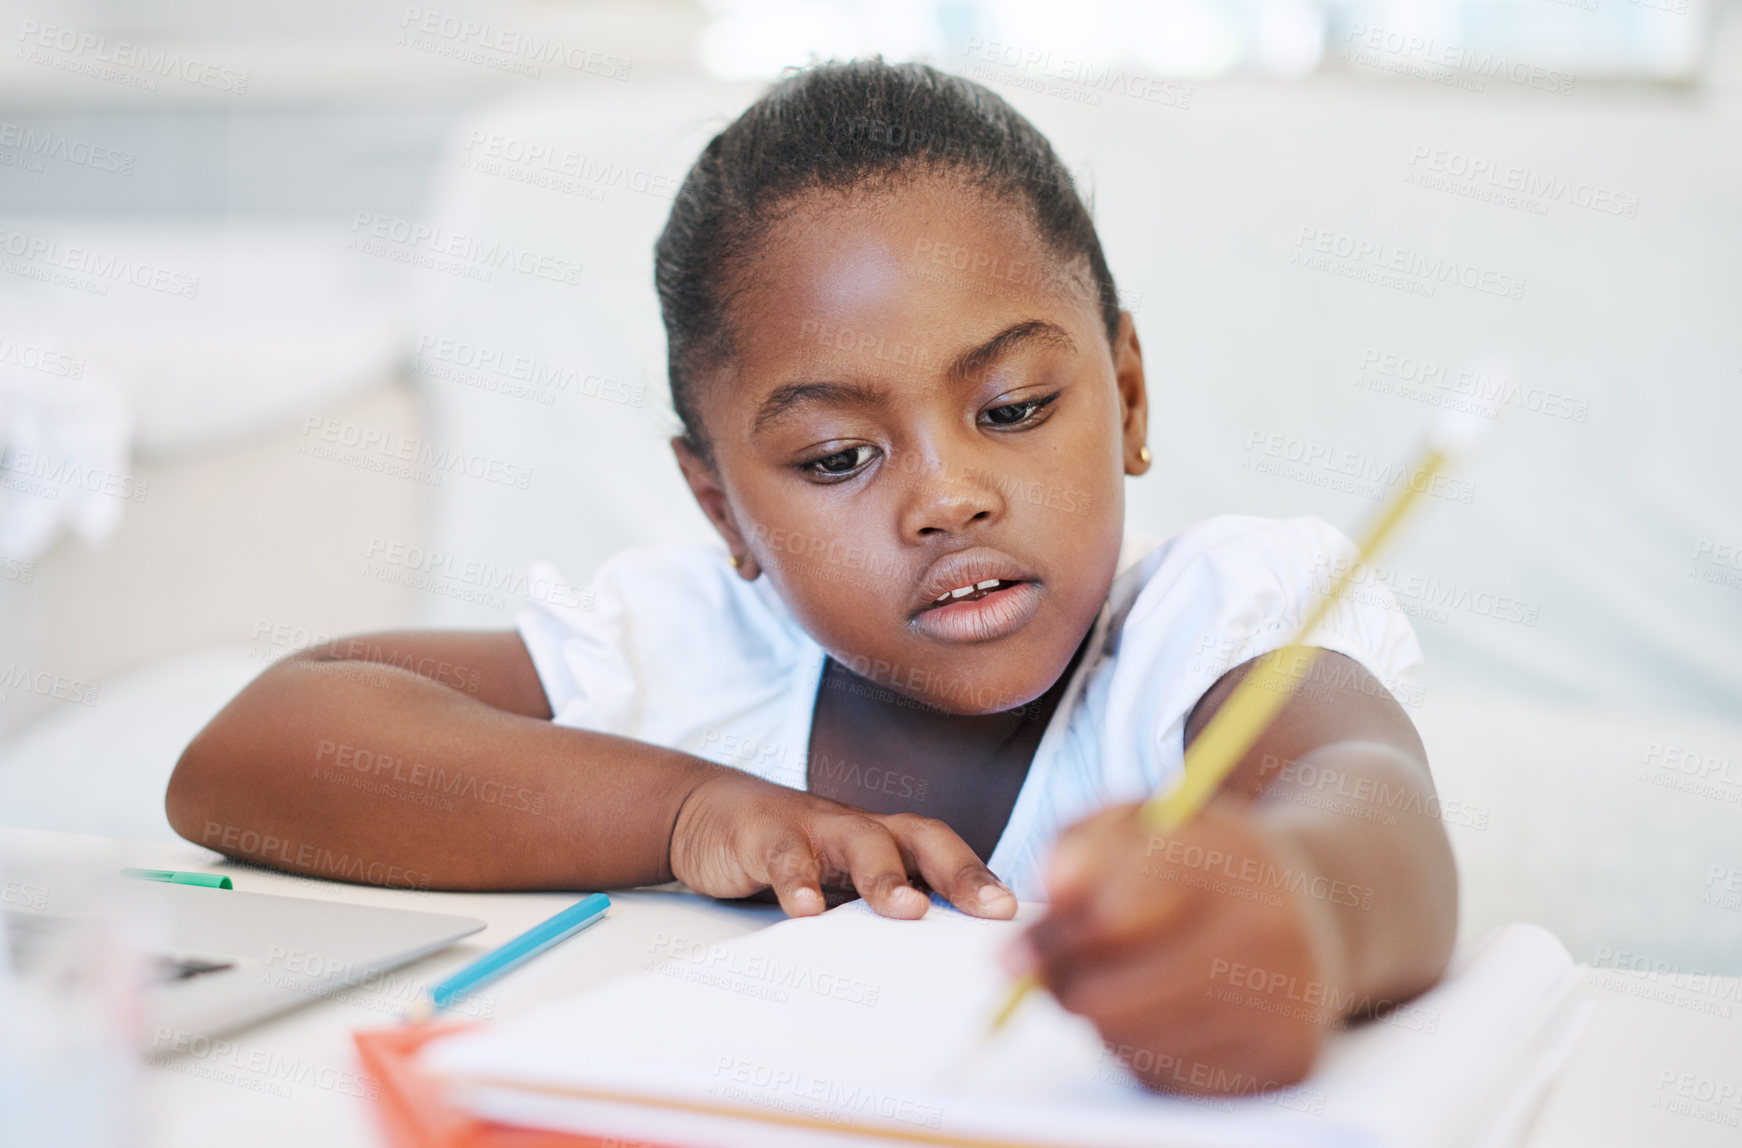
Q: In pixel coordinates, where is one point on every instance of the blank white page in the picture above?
(854, 1022)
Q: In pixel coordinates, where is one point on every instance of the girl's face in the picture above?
(920, 440)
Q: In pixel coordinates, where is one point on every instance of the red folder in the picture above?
(415, 1114)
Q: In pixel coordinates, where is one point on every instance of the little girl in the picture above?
(926, 657)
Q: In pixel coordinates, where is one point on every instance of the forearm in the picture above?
(1316, 885)
(1359, 817)
(367, 772)
(1340, 779)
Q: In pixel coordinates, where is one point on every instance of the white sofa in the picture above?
(1566, 716)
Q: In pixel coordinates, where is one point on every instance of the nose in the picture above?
(944, 495)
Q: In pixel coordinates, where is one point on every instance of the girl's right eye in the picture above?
(840, 464)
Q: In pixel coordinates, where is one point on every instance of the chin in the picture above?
(958, 689)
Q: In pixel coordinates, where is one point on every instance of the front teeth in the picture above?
(964, 591)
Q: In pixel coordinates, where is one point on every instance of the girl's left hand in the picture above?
(1209, 958)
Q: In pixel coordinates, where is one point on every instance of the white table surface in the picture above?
(1650, 1039)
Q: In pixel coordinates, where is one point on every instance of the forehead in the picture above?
(930, 265)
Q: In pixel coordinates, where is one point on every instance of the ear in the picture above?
(1133, 396)
(710, 495)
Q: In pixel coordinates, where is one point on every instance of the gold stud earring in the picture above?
(735, 562)
(1143, 454)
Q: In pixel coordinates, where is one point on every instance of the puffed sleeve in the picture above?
(668, 645)
(1220, 593)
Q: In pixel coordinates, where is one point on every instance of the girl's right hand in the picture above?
(737, 835)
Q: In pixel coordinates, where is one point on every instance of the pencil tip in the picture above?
(1018, 993)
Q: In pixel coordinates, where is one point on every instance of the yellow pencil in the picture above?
(1255, 701)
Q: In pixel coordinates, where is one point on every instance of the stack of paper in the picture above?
(848, 1028)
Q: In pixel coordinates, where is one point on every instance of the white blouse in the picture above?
(668, 645)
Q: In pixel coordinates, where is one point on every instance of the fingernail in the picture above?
(991, 894)
(1065, 867)
(806, 898)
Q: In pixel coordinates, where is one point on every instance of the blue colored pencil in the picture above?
(513, 954)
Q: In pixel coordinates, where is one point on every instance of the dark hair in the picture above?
(838, 126)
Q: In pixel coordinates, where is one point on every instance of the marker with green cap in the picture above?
(209, 880)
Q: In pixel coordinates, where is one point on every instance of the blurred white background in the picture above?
(223, 314)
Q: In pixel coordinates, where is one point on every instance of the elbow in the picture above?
(187, 801)
(1430, 935)
(1447, 891)
(204, 789)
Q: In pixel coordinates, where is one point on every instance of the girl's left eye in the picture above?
(843, 463)
(1017, 414)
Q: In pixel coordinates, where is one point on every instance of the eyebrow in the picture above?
(791, 396)
(965, 366)
(972, 363)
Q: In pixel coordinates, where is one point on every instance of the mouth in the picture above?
(976, 596)
(973, 592)
(985, 613)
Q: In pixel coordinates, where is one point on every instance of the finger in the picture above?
(1153, 1008)
(1075, 866)
(1080, 854)
(1139, 883)
(795, 875)
(934, 851)
(1198, 1062)
(1202, 1051)
(1093, 972)
(869, 855)
(1175, 1024)
(1127, 908)
(1133, 903)
(1112, 837)
(1159, 980)
(1059, 942)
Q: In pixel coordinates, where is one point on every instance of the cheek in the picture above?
(841, 604)
(819, 559)
(1080, 484)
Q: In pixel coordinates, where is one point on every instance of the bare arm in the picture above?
(1316, 885)
(427, 759)
(1343, 776)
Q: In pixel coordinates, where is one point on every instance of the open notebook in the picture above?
(851, 1029)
